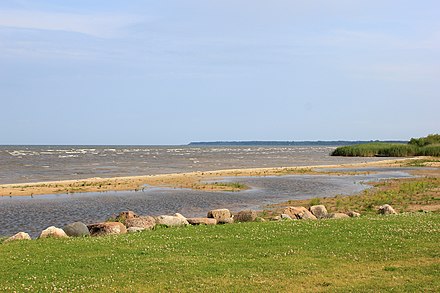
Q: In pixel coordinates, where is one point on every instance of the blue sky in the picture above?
(171, 72)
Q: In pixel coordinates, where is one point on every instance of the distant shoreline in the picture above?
(288, 143)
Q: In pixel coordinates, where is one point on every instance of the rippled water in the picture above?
(36, 213)
(45, 163)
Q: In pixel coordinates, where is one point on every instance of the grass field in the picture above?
(373, 253)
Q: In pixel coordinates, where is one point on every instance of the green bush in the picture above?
(424, 141)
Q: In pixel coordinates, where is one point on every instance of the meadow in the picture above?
(386, 253)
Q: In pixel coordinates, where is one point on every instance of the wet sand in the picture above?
(193, 180)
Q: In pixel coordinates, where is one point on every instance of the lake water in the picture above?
(31, 163)
(20, 164)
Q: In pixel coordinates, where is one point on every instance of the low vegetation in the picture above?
(425, 146)
(405, 195)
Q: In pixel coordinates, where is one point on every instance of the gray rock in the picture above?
(145, 222)
(107, 228)
(171, 221)
(319, 211)
(386, 209)
(77, 229)
(18, 236)
(245, 216)
(53, 232)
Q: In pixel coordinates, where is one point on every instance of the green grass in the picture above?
(409, 194)
(232, 185)
(375, 253)
(419, 162)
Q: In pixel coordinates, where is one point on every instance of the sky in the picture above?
(171, 72)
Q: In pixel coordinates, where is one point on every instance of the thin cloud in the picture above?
(103, 26)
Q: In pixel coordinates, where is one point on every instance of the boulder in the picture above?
(126, 215)
(226, 221)
(53, 232)
(353, 214)
(276, 218)
(135, 229)
(107, 228)
(180, 216)
(386, 209)
(300, 213)
(171, 221)
(18, 236)
(77, 229)
(337, 216)
(223, 216)
(285, 217)
(245, 216)
(202, 221)
(319, 211)
(144, 222)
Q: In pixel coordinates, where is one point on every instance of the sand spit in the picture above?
(193, 180)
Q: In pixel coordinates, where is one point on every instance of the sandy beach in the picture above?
(192, 180)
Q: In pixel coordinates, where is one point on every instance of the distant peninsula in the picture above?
(288, 143)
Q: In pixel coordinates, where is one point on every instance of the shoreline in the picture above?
(193, 180)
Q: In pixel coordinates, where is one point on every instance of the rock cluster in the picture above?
(130, 222)
(315, 212)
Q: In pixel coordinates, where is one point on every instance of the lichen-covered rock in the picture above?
(319, 211)
(145, 222)
(386, 209)
(202, 221)
(353, 214)
(126, 215)
(245, 216)
(300, 213)
(77, 229)
(18, 236)
(107, 228)
(223, 216)
(171, 221)
(53, 232)
(337, 216)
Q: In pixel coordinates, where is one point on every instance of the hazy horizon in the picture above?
(169, 73)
